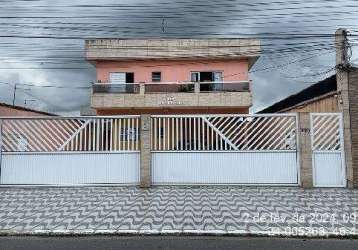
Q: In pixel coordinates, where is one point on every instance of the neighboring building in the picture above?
(19, 140)
(176, 76)
(319, 97)
(10, 110)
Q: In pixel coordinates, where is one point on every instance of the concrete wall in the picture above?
(173, 71)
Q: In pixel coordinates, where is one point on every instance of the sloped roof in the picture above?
(26, 109)
(318, 89)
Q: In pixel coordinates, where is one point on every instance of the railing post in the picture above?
(141, 88)
(196, 87)
(145, 152)
(305, 149)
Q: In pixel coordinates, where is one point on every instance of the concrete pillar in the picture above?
(342, 67)
(305, 149)
(145, 152)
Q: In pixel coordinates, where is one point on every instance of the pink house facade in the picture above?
(174, 76)
(174, 71)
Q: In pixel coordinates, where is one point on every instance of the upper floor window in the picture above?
(209, 80)
(121, 77)
(156, 76)
(206, 76)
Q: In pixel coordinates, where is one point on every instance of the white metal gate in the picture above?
(225, 149)
(327, 150)
(79, 150)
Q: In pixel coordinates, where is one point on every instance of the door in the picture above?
(210, 80)
(327, 150)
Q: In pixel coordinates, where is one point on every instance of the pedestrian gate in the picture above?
(327, 150)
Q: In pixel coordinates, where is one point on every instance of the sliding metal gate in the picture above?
(225, 149)
(327, 150)
(79, 150)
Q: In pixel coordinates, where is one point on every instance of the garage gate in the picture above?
(225, 149)
(70, 151)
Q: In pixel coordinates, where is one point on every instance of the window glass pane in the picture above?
(156, 76)
(117, 77)
(218, 76)
(194, 76)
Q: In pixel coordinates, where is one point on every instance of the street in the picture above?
(171, 242)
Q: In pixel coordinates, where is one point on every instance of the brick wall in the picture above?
(9, 111)
(353, 100)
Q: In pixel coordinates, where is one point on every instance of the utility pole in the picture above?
(342, 74)
(16, 80)
(14, 96)
(163, 25)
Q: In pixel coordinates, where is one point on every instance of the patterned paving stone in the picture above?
(209, 210)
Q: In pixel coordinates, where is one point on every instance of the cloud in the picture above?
(51, 99)
(138, 18)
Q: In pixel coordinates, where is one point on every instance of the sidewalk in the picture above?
(189, 210)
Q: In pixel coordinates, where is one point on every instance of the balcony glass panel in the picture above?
(169, 88)
(224, 86)
(116, 88)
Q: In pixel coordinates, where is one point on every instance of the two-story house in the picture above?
(172, 76)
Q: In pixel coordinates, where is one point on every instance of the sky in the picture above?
(42, 42)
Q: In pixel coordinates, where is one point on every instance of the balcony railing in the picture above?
(131, 88)
(171, 87)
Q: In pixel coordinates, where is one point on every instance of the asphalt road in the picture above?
(172, 242)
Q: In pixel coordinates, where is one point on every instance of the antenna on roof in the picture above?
(163, 25)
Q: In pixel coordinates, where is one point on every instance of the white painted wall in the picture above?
(328, 169)
(70, 168)
(225, 168)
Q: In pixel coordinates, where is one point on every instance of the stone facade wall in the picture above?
(172, 100)
(129, 49)
(305, 150)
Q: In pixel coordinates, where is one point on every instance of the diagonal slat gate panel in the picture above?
(224, 149)
(70, 134)
(327, 150)
(66, 151)
(228, 133)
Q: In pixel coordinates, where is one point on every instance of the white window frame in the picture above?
(211, 71)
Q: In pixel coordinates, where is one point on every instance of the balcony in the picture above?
(172, 94)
